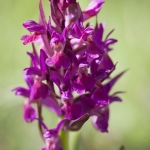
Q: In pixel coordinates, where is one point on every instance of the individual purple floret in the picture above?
(51, 136)
(68, 71)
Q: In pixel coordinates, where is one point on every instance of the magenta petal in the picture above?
(30, 38)
(100, 122)
(72, 14)
(66, 95)
(77, 111)
(110, 41)
(33, 58)
(94, 65)
(42, 14)
(64, 34)
(56, 78)
(35, 91)
(56, 14)
(65, 60)
(39, 90)
(115, 99)
(32, 26)
(87, 103)
(67, 80)
(49, 61)
(107, 62)
(88, 81)
(100, 96)
(93, 50)
(55, 60)
(92, 9)
(33, 71)
(43, 58)
(29, 113)
(44, 90)
(88, 31)
(58, 60)
(56, 75)
(22, 92)
(99, 32)
(66, 111)
(76, 31)
(29, 80)
(78, 87)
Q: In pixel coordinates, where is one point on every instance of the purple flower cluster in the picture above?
(67, 74)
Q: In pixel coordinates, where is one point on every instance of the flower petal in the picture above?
(56, 14)
(33, 71)
(92, 9)
(32, 26)
(33, 58)
(30, 38)
(29, 113)
(100, 121)
(100, 96)
(19, 91)
(43, 58)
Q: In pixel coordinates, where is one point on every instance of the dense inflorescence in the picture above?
(67, 74)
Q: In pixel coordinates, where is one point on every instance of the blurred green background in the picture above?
(129, 123)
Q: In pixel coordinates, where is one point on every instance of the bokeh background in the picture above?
(129, 123)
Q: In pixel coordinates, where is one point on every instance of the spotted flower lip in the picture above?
(71, 73)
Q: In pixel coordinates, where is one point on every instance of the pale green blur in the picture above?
(129, 123)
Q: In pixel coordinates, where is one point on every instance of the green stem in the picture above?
(74, 140)
(65, 139)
